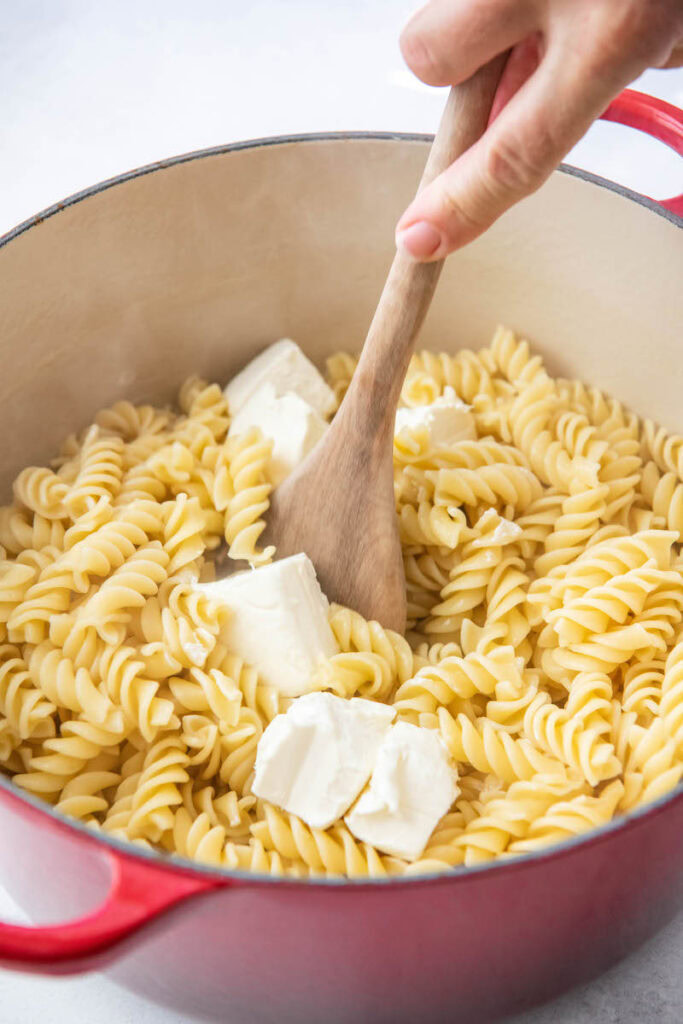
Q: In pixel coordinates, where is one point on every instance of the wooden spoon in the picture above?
(338, 506)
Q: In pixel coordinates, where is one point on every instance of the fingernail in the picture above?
(420, 240)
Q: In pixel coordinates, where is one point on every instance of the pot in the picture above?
(190, 266)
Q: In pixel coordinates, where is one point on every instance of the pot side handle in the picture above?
(655, 117)
(138, 893)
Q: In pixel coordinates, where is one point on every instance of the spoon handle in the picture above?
(376, 386)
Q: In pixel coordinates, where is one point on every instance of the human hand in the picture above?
(568, 60)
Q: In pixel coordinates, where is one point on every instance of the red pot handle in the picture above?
(138, 893)
(661, 120)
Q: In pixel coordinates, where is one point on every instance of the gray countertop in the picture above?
(90, 90)
(646, 988)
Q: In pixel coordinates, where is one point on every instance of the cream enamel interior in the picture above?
(195, 267)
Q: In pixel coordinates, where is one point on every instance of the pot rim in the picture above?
(184, 865)
(305, 137)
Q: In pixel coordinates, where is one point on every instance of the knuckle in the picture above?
(639, 31)
(655, 21)
(419, 53)
(511, 168)
(674, 59)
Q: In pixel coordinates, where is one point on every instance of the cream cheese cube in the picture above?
(293, 425)
(446, 420)
(314, 760)
(283, 365)
(412, 786)
(278, 622)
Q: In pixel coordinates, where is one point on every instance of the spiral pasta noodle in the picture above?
(27, 711)
(664, 448)
(248, 455)
(61, 758)
(429, 373)
(663, 492)
(83, 796)
(127, 588)
(22, 531)
(494, 485)
(510, 817)
(260, 698)
(427, 572)
(455, 677)
(356, 634)
(123, 679)
(429, 524)
(569, 818)
(131, 422)
(41, 491)
(492, 750)
(157, 791)
(332, 851)
(100, 472)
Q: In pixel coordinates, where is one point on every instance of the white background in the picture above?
(92, 89)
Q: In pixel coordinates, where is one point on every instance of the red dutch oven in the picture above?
(192, 265)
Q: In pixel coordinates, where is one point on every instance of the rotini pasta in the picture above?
(544, 584)
(248, 456)
(666, 449)
(27, 711)
(333, 851)
(100, 472)
(510, 817)
(569, 818)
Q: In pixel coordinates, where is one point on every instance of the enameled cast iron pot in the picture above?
(192, 265)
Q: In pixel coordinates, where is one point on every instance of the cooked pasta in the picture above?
(544, 582)
(248, 455)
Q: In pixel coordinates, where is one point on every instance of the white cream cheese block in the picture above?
(412, 785)
(314, 760)
(283, 365)
(278, 623)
